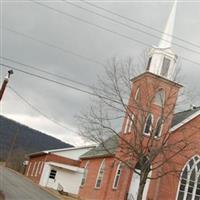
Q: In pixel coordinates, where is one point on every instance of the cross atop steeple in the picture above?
(166, 39)
(162, 60)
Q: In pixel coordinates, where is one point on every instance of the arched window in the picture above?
(129, 123)
(126, 125)
(159, 127)
(117, 175)
(148, 124)
(85, 173)
(160, 97)
(100, 174)
(138, 95)
(189, 186)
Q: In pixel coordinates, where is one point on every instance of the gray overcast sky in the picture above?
(62, 103)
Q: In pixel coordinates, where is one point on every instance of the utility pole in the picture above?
(5, 82)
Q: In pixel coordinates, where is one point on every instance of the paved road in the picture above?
(17, 187)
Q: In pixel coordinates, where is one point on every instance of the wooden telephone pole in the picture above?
(5, 82)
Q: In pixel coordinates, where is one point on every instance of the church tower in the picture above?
(162, 59)
(151, 106)
(155, 90)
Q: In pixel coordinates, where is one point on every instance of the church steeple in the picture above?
(162, 60)
(166, 39)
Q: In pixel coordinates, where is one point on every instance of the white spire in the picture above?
(166, 39)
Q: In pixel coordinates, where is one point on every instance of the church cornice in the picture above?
(161, 78)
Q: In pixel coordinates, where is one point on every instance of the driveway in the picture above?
(16, 187)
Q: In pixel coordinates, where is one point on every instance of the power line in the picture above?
(47, 79)
(60, 83)
(106, 29)
(52, 45)
(138, 23)
(46, 72)
(90, 23)
(38, 110)
(128, 26)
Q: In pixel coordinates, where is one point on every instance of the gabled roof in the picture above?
(106, 149)
(183, 117)
(59, 150)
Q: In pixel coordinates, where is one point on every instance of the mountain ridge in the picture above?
(17, 136)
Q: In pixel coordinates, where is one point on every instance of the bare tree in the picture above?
(141, 140)
(16, 159)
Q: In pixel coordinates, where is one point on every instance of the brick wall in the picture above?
(36, 164)
(106, 191)
(35, 167)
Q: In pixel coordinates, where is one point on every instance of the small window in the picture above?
(41, 167)
(117, 176)
(138, 95)
(148, 124)
(160, 97)
(165, 67)
(126, 125)
(100, 174)
(149, 63)
(29, 166)
(33, 169)
(131, 123)
(159, 126)
(85, 173)
(52, 174)
(37, 165)
(38, 168)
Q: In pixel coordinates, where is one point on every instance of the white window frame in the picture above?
(149, 63)
(150, 129)
(37, 169)
(126, 125)
(117, 175)
(165, 58)
(29, 166)
(131, 123)
(33, 169)
(159, 99)
(161, 129)
(41, 167)
(36, 166)
(102, 167)
(85, 174)
(138, 92)
(188, 178)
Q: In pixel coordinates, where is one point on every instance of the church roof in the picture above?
(110, 145)
(181, 118)
(105, 149)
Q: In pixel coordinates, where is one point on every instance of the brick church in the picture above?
(176, 135)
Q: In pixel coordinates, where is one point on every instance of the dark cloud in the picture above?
(62, 103)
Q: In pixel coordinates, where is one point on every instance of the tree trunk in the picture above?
(143, 179)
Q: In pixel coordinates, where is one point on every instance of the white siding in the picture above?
(70, 180)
